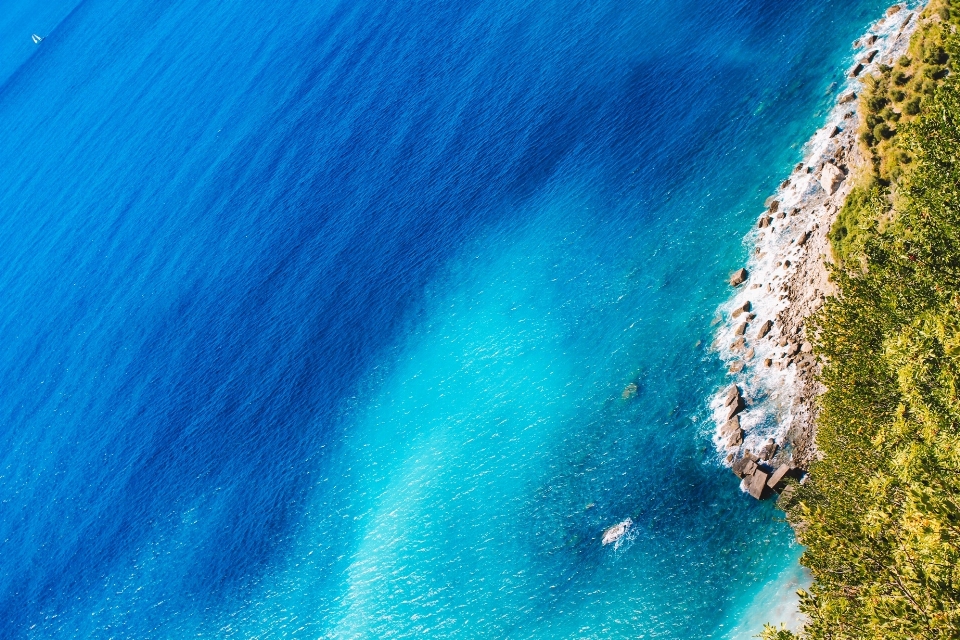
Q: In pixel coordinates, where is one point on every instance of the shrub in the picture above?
(912, 107)
(883, 131)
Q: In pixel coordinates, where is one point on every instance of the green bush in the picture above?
(912, 107)
(882, 131)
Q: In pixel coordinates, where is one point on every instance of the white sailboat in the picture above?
(36, 39)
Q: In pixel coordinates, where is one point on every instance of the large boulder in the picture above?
(735, 408)
(778, 475)
(830, 178)
(733, 424)
(735, 439)
(764, 329)
(757, 482)
(733, 395)
(738, 278)
(847, 97)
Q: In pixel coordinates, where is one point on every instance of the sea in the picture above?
(316, 318)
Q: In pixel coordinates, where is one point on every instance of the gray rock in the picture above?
(764, 222)
(733, 424)
(767, 362)
(757, 483)
(806, 347)
(856, 70)
(834, 132)
(736, 367)
(743, 309)
(802, 238)
(749, 354)
(847, 97)
(733, 395)
(830, 178)
(744, 467)
(738, 277)
(735, 408)
(893, 10)
(778, 475)
(740, 330)
(867, 59)
(769, 450)
(735, 439)
(792, 349)
(764, 329)
(738, 345)
(774, 205)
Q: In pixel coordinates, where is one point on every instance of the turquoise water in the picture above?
(317, 317)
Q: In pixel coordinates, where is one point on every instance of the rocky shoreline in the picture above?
(766, 417)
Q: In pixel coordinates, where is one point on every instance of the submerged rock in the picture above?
(629, 391)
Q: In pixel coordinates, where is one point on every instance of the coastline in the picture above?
(765, 415)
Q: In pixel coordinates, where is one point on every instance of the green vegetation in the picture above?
(880, 514)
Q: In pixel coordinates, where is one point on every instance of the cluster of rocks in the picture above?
(772, 355)
(760, 478)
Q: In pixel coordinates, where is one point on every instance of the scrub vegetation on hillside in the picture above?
(880, 513)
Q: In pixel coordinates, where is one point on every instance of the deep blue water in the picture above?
(315, 317)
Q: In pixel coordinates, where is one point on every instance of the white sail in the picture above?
(36, 39)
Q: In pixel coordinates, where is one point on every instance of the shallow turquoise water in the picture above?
(317, 316)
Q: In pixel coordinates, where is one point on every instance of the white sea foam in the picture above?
(778, 290)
